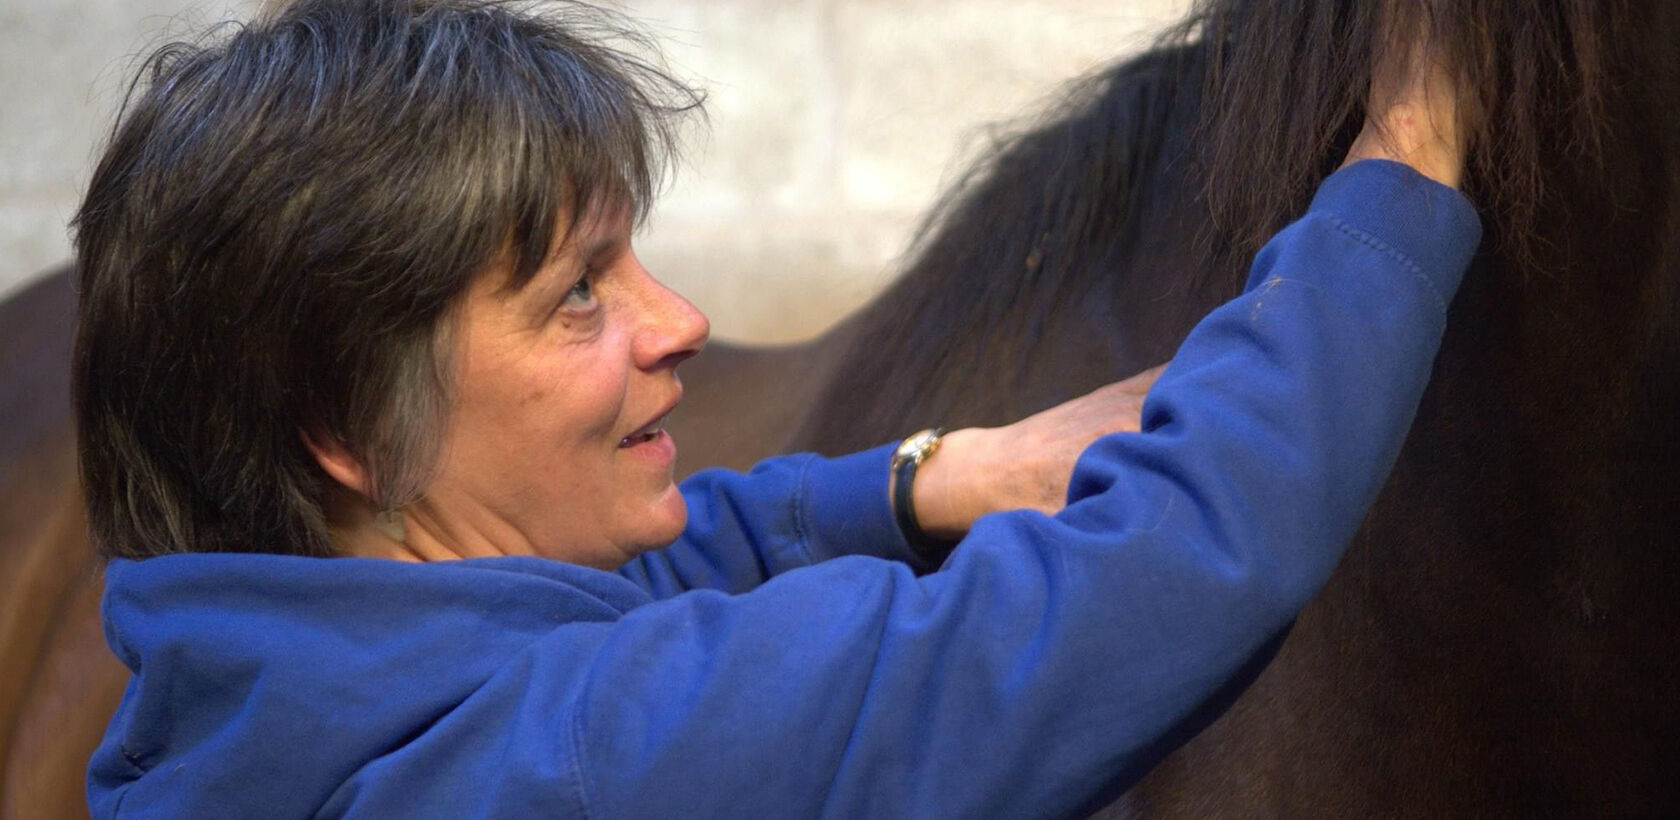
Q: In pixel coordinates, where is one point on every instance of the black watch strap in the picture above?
(905, 462)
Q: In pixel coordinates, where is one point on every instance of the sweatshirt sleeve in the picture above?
(788, 512)
(1047, 660)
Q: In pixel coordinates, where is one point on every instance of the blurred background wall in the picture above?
(833, 124)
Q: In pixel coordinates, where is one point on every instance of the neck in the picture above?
(358, 529)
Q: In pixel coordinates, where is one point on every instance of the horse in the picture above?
(58, 683)
(1499, 638)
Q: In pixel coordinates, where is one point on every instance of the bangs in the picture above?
(490, 126)
(283, 218)
(577, 121)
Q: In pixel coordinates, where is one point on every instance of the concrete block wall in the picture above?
(833, 124)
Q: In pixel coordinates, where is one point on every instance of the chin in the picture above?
(665, 521)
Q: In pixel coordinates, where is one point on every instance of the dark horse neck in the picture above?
(1503, 637)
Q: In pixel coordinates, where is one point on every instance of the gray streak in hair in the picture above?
(284, 218)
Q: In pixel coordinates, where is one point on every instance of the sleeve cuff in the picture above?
(844, 508)
(1431, 226)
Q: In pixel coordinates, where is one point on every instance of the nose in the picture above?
(673, 329)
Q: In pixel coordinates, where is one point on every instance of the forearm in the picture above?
(1052, 655)
(788, 512)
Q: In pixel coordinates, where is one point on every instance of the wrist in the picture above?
(1411, 136)
(948, 493)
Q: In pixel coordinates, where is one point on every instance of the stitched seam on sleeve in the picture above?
(801, 503)
(1393, 253)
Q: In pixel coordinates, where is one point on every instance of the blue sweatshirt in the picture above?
(785, 658)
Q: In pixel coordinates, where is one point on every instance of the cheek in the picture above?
(587, 402)
(558, 393)
(537, 430)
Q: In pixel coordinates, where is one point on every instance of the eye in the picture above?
(581, 295)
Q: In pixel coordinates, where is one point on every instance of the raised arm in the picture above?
(1048, 659)
(793, 511)
(1051, 655)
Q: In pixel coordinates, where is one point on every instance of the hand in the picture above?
(1026, 465)
(1414, 114)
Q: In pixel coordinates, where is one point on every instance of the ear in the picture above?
(335, 460)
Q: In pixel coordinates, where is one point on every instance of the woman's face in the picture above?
(554, 444)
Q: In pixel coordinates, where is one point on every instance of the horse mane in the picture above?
(1285, 83)
(1162, 176)
(1500, 627)
(1012, 246)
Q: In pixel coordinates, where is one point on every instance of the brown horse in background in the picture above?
(58, 682)
(1501, 637)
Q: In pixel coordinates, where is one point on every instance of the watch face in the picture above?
(914, 446)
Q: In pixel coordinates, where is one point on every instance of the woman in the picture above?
(359, 299)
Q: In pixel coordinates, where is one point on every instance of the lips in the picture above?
(653, 429)
(644, 434)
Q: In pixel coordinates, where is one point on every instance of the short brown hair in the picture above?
(283, 218)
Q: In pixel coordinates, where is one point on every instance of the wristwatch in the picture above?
(910, 454)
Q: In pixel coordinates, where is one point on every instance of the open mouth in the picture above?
(645, 434)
